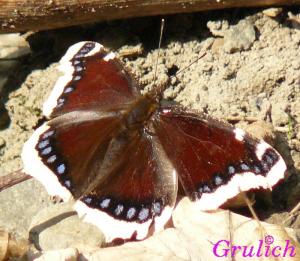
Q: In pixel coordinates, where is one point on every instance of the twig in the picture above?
(292, 214)
(254, 215)
(12, 179)
(131, 51)
(24, 15)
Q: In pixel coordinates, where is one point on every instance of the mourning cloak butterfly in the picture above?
(122, 155)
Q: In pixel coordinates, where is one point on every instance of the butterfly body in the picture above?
(122, 155)
(140, 112)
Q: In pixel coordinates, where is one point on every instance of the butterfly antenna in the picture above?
(159, 44)
(188, 66)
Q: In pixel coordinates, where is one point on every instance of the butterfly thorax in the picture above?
(140, 111)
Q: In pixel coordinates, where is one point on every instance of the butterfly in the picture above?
(124, 156)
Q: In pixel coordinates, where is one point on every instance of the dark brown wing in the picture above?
(60, 152)
(139, 193)
(215, 161)
(92, 79)
(124, 180)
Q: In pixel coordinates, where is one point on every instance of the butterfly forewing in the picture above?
(215, 161)
(92, 79)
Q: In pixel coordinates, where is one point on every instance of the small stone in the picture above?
(173, 80)
(239, 37)
(218, 28)
(217, 44)
(58, 226)
(2, 143)
(13, 46)
(279, 116)
(262, 130)
(20, 203)
(68, 254)
(272, 12)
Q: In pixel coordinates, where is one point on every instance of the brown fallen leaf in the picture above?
(11, 247)
(207, 236)
(3, 244)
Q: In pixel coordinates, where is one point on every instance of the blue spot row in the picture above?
(50, 158)
(257, 167)
(121, 211)
(78, 64)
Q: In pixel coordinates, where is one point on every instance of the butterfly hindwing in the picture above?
(140, 191)
(215, 161)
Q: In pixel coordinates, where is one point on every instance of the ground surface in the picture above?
(251, 71)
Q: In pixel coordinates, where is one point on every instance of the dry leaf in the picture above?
(196, 235)
(228, 228)
(3, 243)
(11, 247)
